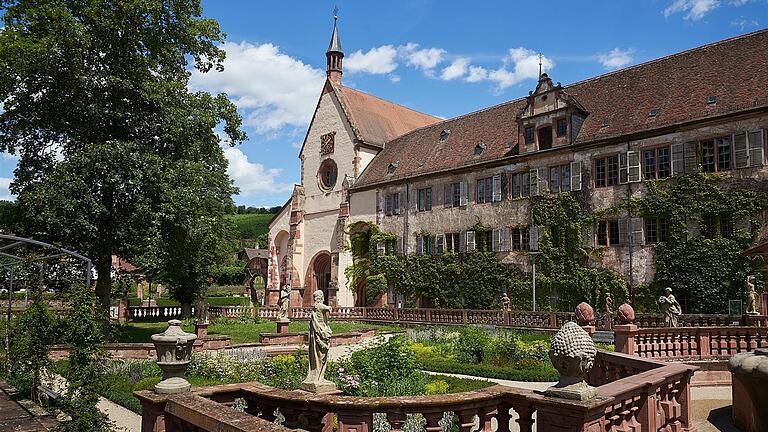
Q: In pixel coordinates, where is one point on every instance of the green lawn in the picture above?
(240, 332)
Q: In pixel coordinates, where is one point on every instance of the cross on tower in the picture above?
(540, 64)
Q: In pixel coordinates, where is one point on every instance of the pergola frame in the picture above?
(56, 252)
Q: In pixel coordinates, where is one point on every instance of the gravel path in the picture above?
(124, 419)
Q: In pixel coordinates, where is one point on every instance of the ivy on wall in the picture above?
(703, 272)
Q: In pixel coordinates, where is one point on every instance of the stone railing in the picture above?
(633, 394)
(690, 343)
(155, 312)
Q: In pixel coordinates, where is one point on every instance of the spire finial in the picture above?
(539, 63)
(335, 12)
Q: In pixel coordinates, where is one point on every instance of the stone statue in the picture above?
(752, 297)
(505, 302)
(670, 308)
(319, 342)
(608, 303)
(573, 354)
(284, 302)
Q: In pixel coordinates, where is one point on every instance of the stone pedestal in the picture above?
(750, 390)
(590, 329)
(624, 338)
(321, 387)
(122, 311)
(282, 325)
(608, 321)
(201, 330)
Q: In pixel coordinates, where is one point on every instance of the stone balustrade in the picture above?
(633, 394)
(689, 343)
(138, 313)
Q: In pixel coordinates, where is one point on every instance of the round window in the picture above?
(327, 174)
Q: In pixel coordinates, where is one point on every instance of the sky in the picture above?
(441, 57)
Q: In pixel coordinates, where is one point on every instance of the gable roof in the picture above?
(376, 121)
(734, 71)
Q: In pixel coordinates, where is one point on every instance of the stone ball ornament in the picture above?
(585, 315)
(626, 314)
(174, 353)
(573, 354)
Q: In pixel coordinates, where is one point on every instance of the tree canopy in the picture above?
(116, 154)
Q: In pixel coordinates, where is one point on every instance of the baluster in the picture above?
(433, 421)
(466, 419)
(396, 421)
(525, 417)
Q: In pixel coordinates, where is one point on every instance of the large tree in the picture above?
(96, 105)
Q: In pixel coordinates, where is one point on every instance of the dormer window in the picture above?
(444, 134)
(421, 163)
(528, 132)
(711, 100)
(653, 113)
(479, 149)
(604, 124)
(392, 167)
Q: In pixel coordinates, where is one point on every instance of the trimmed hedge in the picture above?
(539, 373)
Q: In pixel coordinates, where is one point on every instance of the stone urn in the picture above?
(750, 390)
(573, 354)
(174, 353)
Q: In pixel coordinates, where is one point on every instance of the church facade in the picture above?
(429, 181)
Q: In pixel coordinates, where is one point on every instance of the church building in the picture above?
(367, 159)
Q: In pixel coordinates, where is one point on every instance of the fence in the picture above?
(633, 394)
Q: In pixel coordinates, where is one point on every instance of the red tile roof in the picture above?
(735, 71)
(377, 121)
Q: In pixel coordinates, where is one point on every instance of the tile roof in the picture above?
(735, 71)
(377, 121)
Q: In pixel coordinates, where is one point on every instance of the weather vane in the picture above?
(335, 12)
(539, 64)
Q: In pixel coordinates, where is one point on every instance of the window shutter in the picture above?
(576, 176)
(624, 231)
(588, 237)
(462, 246)
(439, 244)
(633, 166)
(497, 187)
(678, 166)
(504, 186)
(496, 240)
(637, 231)
(623, 172)
(381, 248)
(419, 245)
(533, 245)
(398, 203)
(691, 157)
(756, 148)
(429, 199)
(543, 180)
(470, 237)
(740, 151)
(534, 174)
(448, 195)
(388, 205)
(463, 199)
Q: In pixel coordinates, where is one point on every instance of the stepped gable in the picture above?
(734, 71)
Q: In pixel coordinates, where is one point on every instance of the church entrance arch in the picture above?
(318, 277)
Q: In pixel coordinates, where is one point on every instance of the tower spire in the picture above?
(539, 64)
(334, 55)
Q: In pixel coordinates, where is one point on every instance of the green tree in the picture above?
(96, 104)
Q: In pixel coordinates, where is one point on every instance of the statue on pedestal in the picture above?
(505, 302)
(573, 354)
(670, 308)
(284, 302)
(319, 342)
(752, 296)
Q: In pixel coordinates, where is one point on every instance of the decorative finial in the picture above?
(539, 64)
(335, 12)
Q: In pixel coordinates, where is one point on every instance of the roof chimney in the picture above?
(334, 53)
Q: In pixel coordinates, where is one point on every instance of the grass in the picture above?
(240, 332)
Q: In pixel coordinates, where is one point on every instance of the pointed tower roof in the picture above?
(335, 44)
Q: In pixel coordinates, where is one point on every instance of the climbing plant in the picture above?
(705, 270)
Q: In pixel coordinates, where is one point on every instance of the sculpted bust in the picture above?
(573, 354)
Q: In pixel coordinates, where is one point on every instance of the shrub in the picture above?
(436, 387)
(386, 361)
(285, 371)
(472, 344)
(506, 347)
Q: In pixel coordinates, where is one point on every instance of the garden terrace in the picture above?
(632, 393)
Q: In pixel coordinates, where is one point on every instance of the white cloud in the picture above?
(272, 89)
(378, 60)
(744, 23)
(616, 58)
(519, 65)
(476, 74)
(696, 9)
(425, 59)
(394, 78)
(250, 177)
(456, 69)
(739, 3)
(5, 189)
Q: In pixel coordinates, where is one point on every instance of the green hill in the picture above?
(252, 226)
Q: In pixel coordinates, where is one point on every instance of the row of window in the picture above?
(615, 232)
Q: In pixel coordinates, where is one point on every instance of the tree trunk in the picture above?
(186, 310)
(104, 287)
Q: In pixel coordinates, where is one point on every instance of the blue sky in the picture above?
(444, 58)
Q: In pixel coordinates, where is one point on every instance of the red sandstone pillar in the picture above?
(152, 411)
(624, 335)
(122, 311)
